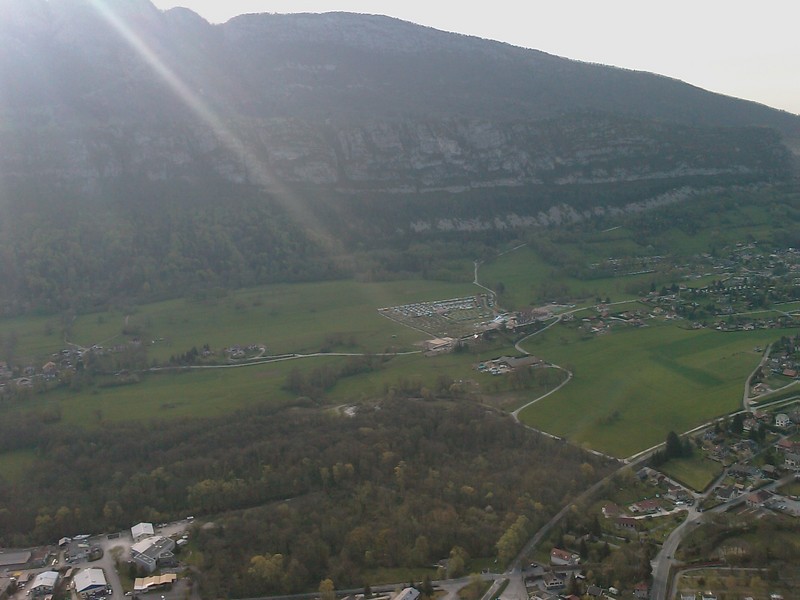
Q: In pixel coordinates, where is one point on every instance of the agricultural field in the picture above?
(634, 385)
(286, 318)
(737, 583)
(696, 472)
(197, 394)
(526, 279)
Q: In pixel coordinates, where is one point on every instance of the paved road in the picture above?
(746, 394)
(665, 559)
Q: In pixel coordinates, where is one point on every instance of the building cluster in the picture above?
(56, 571)
(564, 571)
(506, 364)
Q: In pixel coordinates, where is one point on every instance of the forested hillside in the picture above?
(150, 154)
(401, 483)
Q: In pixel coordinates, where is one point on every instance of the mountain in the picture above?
(336, 128)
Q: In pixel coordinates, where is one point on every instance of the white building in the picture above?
(782, 420)
(141, 531)
(44, 583)
(150, 551)
(408, 593)
(89, 581)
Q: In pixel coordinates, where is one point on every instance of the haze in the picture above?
(727, 47)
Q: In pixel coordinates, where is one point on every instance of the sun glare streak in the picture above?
(254, 167)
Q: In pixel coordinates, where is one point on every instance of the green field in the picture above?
(201, 393)
(525, 275)
(286, 317)
(632, 386)
(696, 472)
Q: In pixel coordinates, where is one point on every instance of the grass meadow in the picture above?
(523, 272)
(697, 472)
(634, 385)
(287, 318)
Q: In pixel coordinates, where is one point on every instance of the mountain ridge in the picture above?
(358, 129)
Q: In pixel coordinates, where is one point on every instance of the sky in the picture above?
(745, 49)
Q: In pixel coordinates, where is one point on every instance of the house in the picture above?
(594, 591)
(787, 445)
(562, 557)
(743, 471)
(150, 552)
(628, 523)
(726, 493)
(44, 583)
(646, 506)
(749, 424)
(709, 596)
(792, 462)
(611, 510)
(50, 369)
(782, 420)
(770, 471)
(552, 581)
(676, 493)
(408, 593)
(88, 582)
(641, 590)
(688, 596)
(141, 531)
(757, 499)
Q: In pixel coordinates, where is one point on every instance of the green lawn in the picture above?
(632, 386)
(696, 472)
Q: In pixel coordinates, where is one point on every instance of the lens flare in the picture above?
(257, 171)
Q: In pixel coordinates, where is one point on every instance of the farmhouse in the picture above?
(150, 552)
(88, 582)
(44, 583)
(611, 510)
(782, 420)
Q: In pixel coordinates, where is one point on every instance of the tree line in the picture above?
(303, 491)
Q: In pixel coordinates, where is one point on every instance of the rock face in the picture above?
(347, 104)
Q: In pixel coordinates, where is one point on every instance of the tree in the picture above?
(674, 448)
(737, 424)
(327, 591)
